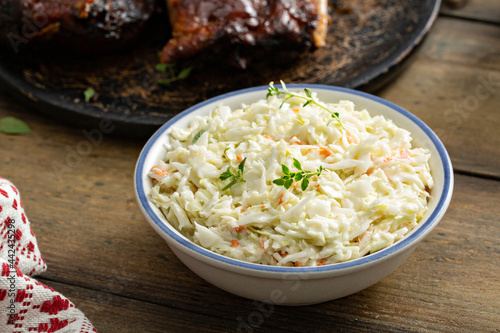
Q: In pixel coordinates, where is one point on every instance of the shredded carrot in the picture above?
(268, 137)
(322, 151)
(244, 209)
(239, 228)
(369, 171)
(296, 110)
(283, 254)
(263, 207)
(297, 141)
(281, 199)
(234, 243)
(161, 172)
(297, 264)
(404, 154)
(325, 151)
(262, 241)
(321, 262)
(154, 166)
(239, 158)
(350, 138)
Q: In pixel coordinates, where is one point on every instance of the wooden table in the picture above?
(102, 254)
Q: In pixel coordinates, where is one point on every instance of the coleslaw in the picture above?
(372, 189)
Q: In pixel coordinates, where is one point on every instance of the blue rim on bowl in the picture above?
(421, 231)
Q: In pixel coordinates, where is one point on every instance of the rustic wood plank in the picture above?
(93, 236)
(453, 84)
(472, 44)
(104, 256)
(114, 314)
(481, 10)
(444, 287)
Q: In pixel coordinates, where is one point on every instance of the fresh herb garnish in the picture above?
(300, 176)
(184, 73)
(161, 67)
(273, 91)
(88, 94)
(11, 125)
(197, 136)
(235, 178)
(173, 74)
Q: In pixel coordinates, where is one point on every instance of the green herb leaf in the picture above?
(279, 181)
(241, 166)
(285, 169)
(184, 73)
(88, 94)
(161, 67)
(173, 74)
(273, 91)
(233, 182)
(11, 125)
(297, 164)
(197, 136)
(165, 81)
(226, 174)
(235, 177)
(308, 92)
(304, 184)
(301, 176)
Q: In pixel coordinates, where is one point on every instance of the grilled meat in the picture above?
(198, 25)
(90, 25)
(247, 29)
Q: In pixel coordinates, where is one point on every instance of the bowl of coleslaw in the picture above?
(293, 195)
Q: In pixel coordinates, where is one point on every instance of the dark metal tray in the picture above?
(368, 43)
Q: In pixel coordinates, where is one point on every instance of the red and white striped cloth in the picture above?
(27, 305)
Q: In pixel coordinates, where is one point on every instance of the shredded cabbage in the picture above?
(373, 189)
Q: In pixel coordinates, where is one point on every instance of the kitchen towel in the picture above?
(27, 305)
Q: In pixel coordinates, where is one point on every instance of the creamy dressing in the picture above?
(373, 188)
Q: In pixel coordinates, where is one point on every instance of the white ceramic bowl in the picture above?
(298, 285)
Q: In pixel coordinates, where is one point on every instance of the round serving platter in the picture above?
(368, 43)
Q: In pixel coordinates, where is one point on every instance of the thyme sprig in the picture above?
(173, 73)
(273, 91)
(301, 176)
(235, 177)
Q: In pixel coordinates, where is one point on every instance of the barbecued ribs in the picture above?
(245, 26)
(92, 25)
(247, 29)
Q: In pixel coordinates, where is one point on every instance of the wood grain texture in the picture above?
(453, 85)
(115, 314)
(481, 10)
(77, 191)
